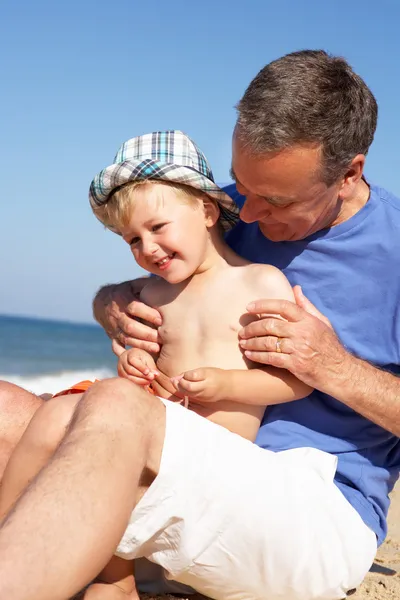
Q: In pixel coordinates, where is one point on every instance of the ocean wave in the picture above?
(56, 382)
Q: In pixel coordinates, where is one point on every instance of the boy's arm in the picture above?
(255, 386)
(264, 386)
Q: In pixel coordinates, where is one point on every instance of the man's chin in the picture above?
(275, 233)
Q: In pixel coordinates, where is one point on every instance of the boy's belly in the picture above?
(176, 359)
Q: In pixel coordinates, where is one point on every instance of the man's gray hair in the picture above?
(309, 97)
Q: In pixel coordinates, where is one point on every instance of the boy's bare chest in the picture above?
(217, 314)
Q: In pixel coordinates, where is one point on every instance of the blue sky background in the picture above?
(77, 78)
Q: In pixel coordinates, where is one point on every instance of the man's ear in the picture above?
(211, 212)
(352, 177)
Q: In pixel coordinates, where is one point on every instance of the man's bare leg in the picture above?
(17, 407)
(65, 527)
(35, 448)
(37, 445)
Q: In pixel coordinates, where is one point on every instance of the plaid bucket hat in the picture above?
(168, 156)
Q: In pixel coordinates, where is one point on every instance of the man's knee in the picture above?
(17, 407)
(50, 423)
(16, 404)
(126, 410)
(112, 398)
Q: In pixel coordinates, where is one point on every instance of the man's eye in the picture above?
(276, 204)
(158, 226)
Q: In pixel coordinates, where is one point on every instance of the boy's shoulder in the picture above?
(268, 280)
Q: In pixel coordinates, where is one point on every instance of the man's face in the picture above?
(285, 192)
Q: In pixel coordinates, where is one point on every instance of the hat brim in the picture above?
(118, 174)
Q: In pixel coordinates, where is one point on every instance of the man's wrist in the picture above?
(348, 384)
(100, 302)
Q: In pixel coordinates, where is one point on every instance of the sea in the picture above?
(49, 356)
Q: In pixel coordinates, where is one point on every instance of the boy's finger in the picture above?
(138, 380)
(195, 375)
(139, 365)
(184, 387)
(191, 388)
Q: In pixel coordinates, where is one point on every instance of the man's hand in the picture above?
(138, 366)
(203, 385)
(120, 312)
(299, 339)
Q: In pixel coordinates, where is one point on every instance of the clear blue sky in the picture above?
(80, 77)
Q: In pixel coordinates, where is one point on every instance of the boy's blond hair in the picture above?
(116, 213)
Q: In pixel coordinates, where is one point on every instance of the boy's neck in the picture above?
(219, 254)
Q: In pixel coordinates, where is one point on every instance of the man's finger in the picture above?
(145, 313)
(267, 344)
(150, 347)
(284, 308)
(305, 303)
(133, 329)
(273, 359)
(117, 347)
(269, 326)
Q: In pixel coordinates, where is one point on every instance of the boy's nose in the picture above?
(149, 248)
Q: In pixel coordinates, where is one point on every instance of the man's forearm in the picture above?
(264, 386)
(370, 391)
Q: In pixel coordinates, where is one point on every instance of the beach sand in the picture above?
(383, 581)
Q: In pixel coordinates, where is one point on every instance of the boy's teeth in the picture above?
(164, 260)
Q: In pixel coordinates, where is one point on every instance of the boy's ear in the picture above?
(211, 212)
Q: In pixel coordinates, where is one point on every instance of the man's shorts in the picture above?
(237, 522)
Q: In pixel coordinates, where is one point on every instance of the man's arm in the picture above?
(370, 391)
(311, 351)
(119, 311)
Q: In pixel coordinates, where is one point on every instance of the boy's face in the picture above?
(167, 233)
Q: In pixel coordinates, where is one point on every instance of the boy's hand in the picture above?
(205, 385)
(138, 366)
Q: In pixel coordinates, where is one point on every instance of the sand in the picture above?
(383, 581)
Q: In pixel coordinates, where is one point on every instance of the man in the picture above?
(304, 127)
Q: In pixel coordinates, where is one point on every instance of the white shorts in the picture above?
(237, 522)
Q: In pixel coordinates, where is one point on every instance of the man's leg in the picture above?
(35, 448)
(66, 526)
(17, 407)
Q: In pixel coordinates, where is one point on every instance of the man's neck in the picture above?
(353, 205)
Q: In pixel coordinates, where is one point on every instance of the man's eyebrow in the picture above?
(273, 199)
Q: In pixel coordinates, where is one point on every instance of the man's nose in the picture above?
(252, 210)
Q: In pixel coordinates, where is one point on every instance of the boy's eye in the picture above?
(158, 226)
(134, 241)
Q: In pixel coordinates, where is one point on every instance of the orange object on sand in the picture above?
(78, 388)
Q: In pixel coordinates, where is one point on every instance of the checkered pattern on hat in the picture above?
(168, 156)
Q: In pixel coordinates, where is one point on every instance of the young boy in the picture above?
(160, 196)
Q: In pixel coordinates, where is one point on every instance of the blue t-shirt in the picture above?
(351, 273)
